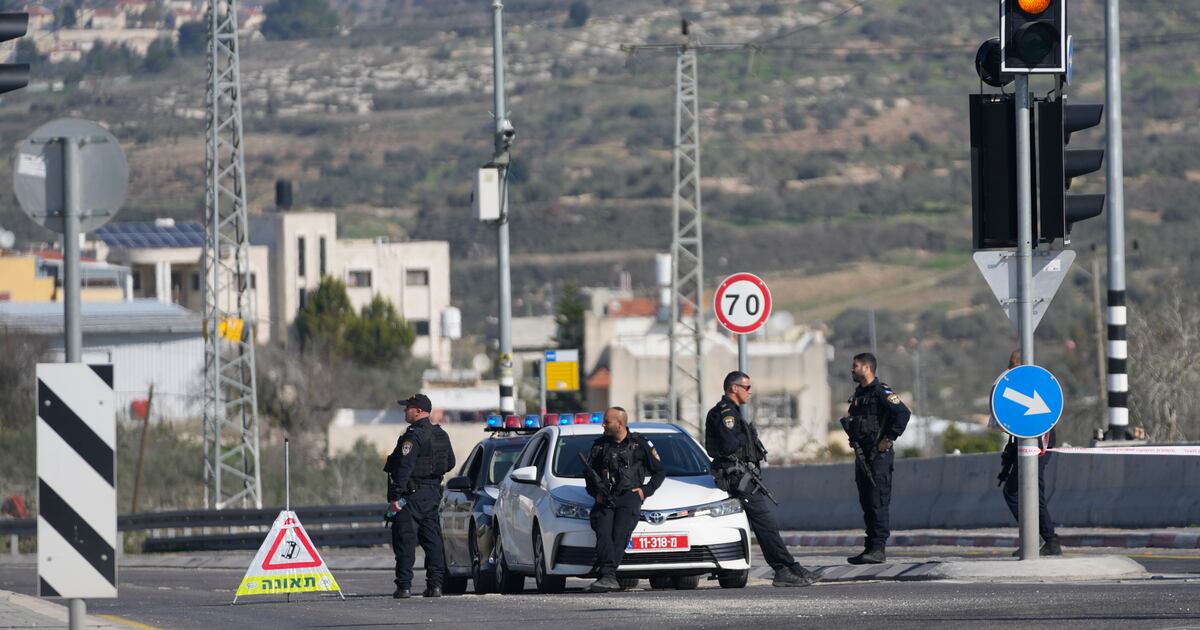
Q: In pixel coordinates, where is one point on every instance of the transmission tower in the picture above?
(231, 464)
(685, 379)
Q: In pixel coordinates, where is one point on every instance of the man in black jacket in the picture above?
(733, 443)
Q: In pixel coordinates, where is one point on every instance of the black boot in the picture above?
(401, 592)
(1052, 548)
(432, 591)
(870, 556)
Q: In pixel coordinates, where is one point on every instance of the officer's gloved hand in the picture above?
(885, 445)
(1002, 477)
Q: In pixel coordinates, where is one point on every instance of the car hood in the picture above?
(675, 492)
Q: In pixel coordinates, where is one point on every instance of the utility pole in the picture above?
(504, 133)
(231, 456)
(685, 381)
(1027, 448)
(1118, 348)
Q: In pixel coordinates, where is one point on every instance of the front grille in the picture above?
(723, 552)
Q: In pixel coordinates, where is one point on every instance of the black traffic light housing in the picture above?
(1033, 36)
(994, 172)
(1056, 121)
(13, 76)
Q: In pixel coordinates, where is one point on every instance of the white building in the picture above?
(289, 254)
(147, 342)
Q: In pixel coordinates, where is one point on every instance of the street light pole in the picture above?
(1027, 451)
(503, 138)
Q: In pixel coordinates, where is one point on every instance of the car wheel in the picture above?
(507, 581)
(659, 583)
(733, 579)
(628, 583)
(686, 582)
(485, 581)
(546, 583)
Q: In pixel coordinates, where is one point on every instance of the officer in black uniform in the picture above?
(1010, 478)
(621, 460)
(732, 441)
(875, 420)
(415, 468)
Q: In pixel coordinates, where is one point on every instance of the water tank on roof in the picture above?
(662, 269)
(452, 323)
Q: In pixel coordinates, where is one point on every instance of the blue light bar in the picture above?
(533, 421)
(597, 417)
(566, 418)
(495, 422)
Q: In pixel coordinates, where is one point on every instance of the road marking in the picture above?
(136, 625)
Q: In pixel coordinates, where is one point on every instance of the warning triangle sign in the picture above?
(287, 562)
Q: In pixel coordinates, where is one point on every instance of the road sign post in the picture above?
(742, 304)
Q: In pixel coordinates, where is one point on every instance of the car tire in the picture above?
(660, 583)
(546, 583)
(508, 582)
(484, 581)
(628, 583)
(733, 579)
(685, 582)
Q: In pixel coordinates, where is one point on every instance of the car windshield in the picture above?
(681, 457)
(503, 457)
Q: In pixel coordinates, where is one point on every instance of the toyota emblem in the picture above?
(656, 517)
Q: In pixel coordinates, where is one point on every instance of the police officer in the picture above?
(875, 420)
(732, 441)
(415, 468)
(621, 461)
(1010, 478)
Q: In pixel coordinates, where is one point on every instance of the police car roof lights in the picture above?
(533, 421)
(597, 417)
(550, 419)
(495, 422)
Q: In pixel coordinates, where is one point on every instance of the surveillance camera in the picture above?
(507, 129)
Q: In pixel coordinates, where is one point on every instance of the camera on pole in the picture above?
(1033, 36)
(13, 76)
(1056, 121)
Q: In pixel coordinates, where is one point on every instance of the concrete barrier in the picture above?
(960, 492)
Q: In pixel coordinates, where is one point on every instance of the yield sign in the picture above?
(999, 269)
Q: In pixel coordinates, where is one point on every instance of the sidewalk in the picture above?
(1174, 538)
(25, 611)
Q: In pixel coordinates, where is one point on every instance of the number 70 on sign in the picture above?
(742, 303)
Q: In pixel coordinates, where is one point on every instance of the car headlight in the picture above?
(571, 510)
(720, 508)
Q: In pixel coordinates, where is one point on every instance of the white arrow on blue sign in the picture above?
(1027, 401)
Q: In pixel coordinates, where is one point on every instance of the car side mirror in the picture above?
(526, 474)
(459, 484)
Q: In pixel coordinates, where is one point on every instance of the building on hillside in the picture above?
(37, 277)
(149, 344)
(289, 254)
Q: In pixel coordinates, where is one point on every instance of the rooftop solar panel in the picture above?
(152, 236)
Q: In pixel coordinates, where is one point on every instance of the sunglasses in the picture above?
(745, 387)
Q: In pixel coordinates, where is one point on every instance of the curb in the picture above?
(50, 610)
(1159, 540)
(1096, 568)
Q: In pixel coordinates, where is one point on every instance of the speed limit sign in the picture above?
(742, 303)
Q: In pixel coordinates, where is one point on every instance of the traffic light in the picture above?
(1056, 121)
(13, 76)
(994, 172)
(1033, 36)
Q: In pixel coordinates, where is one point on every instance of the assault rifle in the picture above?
(860, 457)
(604, 488)
(751, 481)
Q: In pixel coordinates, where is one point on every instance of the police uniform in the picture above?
(728, 438)
(875, 413)
(1011, 478)
(415, 468)
(622, 466)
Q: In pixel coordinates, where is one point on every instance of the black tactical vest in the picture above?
(620, 462)
(436, 462)
(866, 414)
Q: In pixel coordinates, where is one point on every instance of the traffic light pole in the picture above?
(1118, 353)
(1027, 451)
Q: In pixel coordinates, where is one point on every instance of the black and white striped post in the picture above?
(1118, 347)
(77, 496)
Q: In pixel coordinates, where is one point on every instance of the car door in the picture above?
(456, 513)
(518, 540)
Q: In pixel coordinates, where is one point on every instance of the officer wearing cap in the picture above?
(415, 468)
(874, 422)
(733, 444)
(621, 461)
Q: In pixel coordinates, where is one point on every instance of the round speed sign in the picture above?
(742, 303)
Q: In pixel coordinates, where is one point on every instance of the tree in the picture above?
(578, 14)
(379, 336)
(66, 16)
(1164, 340)
(299, 19)
(27, 51)
(326, 319)
(193, 39)
(568, 319)
(159, 55)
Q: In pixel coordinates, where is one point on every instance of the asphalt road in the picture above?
(172, 598)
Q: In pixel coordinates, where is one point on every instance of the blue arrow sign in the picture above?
(1027, 401)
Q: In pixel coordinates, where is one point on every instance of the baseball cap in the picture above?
(420, 401)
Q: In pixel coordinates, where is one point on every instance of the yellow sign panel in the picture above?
(562, 376)
(231, 328)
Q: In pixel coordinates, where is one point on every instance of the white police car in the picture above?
(689, 527)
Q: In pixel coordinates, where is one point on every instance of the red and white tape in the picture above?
(1131, 450)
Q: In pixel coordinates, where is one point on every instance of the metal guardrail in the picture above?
(256, 521)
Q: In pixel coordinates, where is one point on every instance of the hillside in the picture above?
(836, 156)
